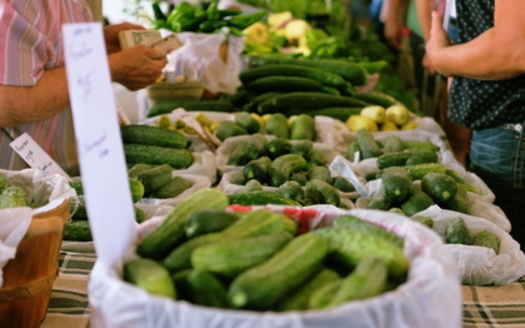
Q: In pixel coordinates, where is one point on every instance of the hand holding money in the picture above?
(111, 35)
(149, 38)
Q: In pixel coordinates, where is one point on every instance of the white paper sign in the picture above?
(102, 164)
(35, 156)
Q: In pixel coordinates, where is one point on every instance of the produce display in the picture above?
(258, 261)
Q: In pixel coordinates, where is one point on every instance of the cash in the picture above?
(149, 38)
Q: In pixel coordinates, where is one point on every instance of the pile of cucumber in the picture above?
(256, 260)
(457, 232)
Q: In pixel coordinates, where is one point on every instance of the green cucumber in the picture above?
(439, 186)
(292, 190)
(284, 166)
(205, 289)
(257, 169)
(367, 144)
(417, 202)
(277, 147)
(252, 185)
(487, 238)
(148, 154)
(323, 295)
(262, 197)
(457, 232)
(355, 223)
(247, 122)
(190, 105)
(227, 129)
(172, 189)
(154, 178)
(150, 276)
(320, 192)
(320, 172)
(303, 127)
(392, 144)
(206, 221)
(400, 158)
(283, 83)
(152, 135)
(281, 274)
(376, 98)
(277, 125)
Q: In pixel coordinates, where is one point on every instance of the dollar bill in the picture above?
(166, 44)
(131, 38)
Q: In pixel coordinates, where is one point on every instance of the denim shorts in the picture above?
(497, 156)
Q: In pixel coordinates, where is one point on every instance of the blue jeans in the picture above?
(497, 156)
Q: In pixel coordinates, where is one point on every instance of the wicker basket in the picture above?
(29, 277)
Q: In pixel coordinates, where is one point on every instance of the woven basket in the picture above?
(29, 277)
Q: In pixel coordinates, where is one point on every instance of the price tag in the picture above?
(102, 164)
(35, 156)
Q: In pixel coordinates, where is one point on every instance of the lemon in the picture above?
(203, 119)
(164, 121)
(376, 113)
(409, 126)
(356, 122)
(389, 126)
(398, 114)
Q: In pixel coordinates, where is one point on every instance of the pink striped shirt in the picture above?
(30, 43)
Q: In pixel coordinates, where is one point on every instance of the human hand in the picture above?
(111, 35)
(438, 40)
(427, 64)
(136, 67)
(393, 33)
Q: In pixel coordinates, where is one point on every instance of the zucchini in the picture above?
(355, 223)
(303, 127)
(457, 232)
(176, 186)
(367, 144)
(152, 135)
(262, 197)
(220, 105)
(150, 276)
(487, 238)
(320, 75)
(206, 221)
(277, 125)
(348, 247)
(176, 158)
(367, 280)
(439, 186)
(281, 274)
(229, 258)
(257, 169)
(171, 231)
(284, 166)
(352, 72)
(284, 83)
(306, 101)
(320, 192)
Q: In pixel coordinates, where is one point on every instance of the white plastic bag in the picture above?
(199, 59)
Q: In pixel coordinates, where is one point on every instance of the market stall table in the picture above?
(501, 306)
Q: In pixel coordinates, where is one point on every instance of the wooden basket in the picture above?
(29, 277)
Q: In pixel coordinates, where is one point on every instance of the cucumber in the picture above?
(457, 232)
(341, 113)
(299, 299)
(284, 166)
(306, 101)
(302, 148)
(320, 172)
(77, 230)
(351, 149)
(253, 104)
(277, 125)
(252, 185)
(229, 258)
(350, 71)
(439, 186)
(262, 197)
(355, 223)
(392, 144)
(400, 158)
(421, 145)
(348, 247)
(425, 220)
(320, 75)
(176, 158)
(205, 289)
(396, 187)
(303, 127)
(342, 184)
(137, 189)
(367, 280)
(150, 276)
(320, 192)
(367, 144)
(461, 202)
(135, 169)
(220, 105)
(487, 238)
(256, 223)
(417, 202)
(247, 122)
(206, 221)
(227, 129)
(281, 274)
(323, 295)
(376, 98)
(176, 186)
(152, 135)
(277, 147)
(292, 190)
(154, 178)
(299, 177)
(284, 83)
(379, 203)
(13, 196)
(257, 169)
(170, 232)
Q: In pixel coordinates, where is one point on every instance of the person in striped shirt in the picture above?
(33, 87)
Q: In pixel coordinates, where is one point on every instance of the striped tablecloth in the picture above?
(491, 307)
